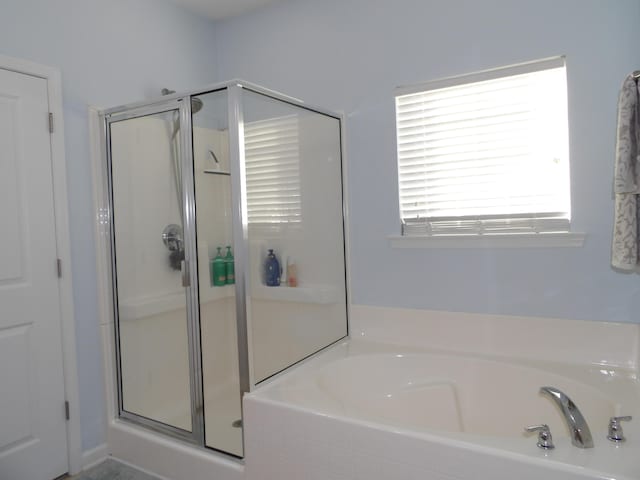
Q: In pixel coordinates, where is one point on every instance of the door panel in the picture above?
(32, 425)
(15, 364)
(11, 268)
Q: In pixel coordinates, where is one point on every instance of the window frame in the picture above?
(529, 229)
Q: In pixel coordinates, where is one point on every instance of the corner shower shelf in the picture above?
(318, 294)
(217, 172)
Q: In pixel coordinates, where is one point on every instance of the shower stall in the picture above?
(227, 252)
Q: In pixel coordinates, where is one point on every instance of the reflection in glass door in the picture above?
(148, 255)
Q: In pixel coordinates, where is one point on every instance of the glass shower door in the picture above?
(297, 302)
(149, 271)
(216, 273)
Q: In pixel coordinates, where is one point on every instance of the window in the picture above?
(486, 152)
(272, 159)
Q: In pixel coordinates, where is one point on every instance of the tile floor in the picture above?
(112, 470)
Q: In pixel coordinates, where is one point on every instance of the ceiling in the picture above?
(218, 9)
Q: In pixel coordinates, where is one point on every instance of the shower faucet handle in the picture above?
(615, 429)
(545, 440)
(172, 237)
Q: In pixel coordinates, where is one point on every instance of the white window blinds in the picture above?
(272, 159)
(486, 152)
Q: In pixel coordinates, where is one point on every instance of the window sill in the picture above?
(509, 240)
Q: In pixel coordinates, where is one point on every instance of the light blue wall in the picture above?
(350, 54)
(110, 52)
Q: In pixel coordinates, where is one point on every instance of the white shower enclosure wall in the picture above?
(202, 187)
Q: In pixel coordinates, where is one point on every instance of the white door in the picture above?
(33, 442)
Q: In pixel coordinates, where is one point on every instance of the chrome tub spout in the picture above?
(580, 433)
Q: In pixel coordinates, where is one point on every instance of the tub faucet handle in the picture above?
(615, 429)
(545, 440)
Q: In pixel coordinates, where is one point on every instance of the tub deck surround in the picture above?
(441, 406)
(560, 340)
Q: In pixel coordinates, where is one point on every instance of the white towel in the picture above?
(626, 236)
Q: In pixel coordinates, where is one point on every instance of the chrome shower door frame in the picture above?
(183, 107)
(248, 382)
(240, 233)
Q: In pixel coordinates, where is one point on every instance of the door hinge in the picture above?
(50, 122)
(59, 267)
(66, 410)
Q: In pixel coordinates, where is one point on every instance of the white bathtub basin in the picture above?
(424, 391)
(447, 404)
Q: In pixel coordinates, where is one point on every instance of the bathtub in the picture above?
(372, 411)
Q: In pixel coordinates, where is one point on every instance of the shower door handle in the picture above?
(185, 274)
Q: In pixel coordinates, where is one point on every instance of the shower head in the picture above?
(196, 103)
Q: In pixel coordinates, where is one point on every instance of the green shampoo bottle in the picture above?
(219, 270)
(231, 277)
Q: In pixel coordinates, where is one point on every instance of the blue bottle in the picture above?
(272, 270)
